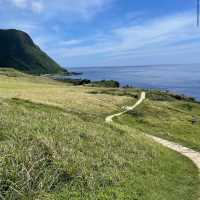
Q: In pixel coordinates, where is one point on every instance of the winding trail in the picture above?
(187, 152)
(142, 98)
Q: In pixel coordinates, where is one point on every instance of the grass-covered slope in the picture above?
(170, 116)
(17, 50)
(54, 144)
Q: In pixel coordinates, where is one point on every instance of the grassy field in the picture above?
(170, 119)
(54, 144)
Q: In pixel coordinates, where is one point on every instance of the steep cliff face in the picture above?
(17, 50)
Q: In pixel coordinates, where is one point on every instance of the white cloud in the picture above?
(77, 9)
(168, 35)
(19, 3)
(37, 6)
(70, 42)
(80, 6)
(33, 5)
(84, 9)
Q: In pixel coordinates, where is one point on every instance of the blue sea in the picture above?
(182, 79)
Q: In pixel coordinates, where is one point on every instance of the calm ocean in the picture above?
(183, 79)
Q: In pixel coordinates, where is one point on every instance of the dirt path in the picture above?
(189, 153)
(142, 98)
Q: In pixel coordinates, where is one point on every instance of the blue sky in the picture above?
(108, 32)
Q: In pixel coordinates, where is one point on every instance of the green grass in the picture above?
(17, 50)
(172, 119)
(54, 144)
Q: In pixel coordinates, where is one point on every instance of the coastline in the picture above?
(178, 79)
(81, 81)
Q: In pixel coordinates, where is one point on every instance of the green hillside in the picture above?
(55, 144)
(17, 50)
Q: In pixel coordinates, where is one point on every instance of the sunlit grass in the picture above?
(173, 120)
(54, 144)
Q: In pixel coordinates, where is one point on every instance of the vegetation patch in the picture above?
(105, 83)
(117, 92)
(55, 144)
(28, 167)
(73, 81)
(157, 95)
(102, 83)
(177, 121)
(10, 72)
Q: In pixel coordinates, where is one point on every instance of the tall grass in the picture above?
(52, 149)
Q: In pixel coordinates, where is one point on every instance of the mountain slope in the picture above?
(17, 50)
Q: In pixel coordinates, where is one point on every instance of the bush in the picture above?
(158, 95)
(75, 81)
(105, 83)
